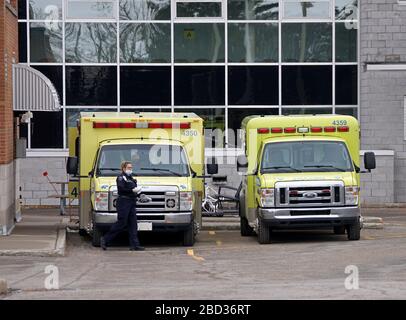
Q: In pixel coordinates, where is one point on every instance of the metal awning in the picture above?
(33, 91)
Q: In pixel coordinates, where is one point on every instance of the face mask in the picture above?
(128, 172)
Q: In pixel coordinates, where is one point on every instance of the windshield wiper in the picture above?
(326, 166)
(161, 169)
(281, 167)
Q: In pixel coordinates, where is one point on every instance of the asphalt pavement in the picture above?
(222, 265)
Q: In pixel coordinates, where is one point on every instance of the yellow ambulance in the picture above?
(167, 153)
(301, 172)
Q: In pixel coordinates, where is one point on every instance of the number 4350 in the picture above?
(340, 122)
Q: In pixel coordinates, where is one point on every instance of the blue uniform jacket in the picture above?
(125, 185)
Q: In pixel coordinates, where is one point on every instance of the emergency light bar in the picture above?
(141, 125)
(303, 130)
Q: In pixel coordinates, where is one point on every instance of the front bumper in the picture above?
(160, 221)
(285, 218)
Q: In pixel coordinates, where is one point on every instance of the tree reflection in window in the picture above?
(346, 9)
(145, 10)
(91, 42)
(145, 42)
(253, 9)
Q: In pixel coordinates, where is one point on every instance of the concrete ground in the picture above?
(222, 265)
(41, 233)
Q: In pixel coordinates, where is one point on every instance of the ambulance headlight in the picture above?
(101, 201)
(185, 201)
(351, 196)
(267, 197)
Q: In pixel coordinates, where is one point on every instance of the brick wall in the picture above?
(35, 188)
(383, 41)
(8, 56)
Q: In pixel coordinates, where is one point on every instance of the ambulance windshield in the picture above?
(306, 156)
(147, 160)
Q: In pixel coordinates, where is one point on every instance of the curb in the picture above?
(372, 223)
(57, 251)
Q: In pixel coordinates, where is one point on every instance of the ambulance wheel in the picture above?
(189, 236)
(82, 232)
(264, 233)
(354, 231)
(245, 228)
(339, 230)
(96, 237)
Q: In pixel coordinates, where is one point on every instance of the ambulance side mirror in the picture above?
(369, 161)
(242, 163)
(72, 165)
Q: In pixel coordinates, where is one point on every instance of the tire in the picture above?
(189, 236)
(264, 233)
(96, 236)
(354, 231)
(339, 230)
(245, 228)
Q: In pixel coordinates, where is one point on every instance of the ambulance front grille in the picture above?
(157, 199)
(309, 194)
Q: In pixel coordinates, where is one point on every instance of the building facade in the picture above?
(222, 59)
(9, 55)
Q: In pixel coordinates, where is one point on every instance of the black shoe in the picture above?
(103, 244)
(137, 248)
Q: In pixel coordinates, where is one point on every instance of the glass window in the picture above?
(45, 9)
(91, 9)
(203, 85)
(348, 111)
(253, 9)
(346, 85)
(199, 42)
(145, 86)
(252, 42)
(53, 73)
(90, 42)
(305, 156)
(47, 130)
(198, 9)
(45, 42)
(346, 9)
(298, 89)
(292, 111)
(22, 42)
(214, 125)
(145, 10)
(306, 9)
(138, 110)
(22, 9)
(235, 117)
(145, 42)
(306, 42)
(346, 43)
(91, 85)
(253, 85)
(146, 158)
(23, 127)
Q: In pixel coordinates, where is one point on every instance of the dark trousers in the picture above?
(126, 218)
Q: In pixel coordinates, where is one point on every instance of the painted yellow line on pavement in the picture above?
(191, 253)
(212, 233)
